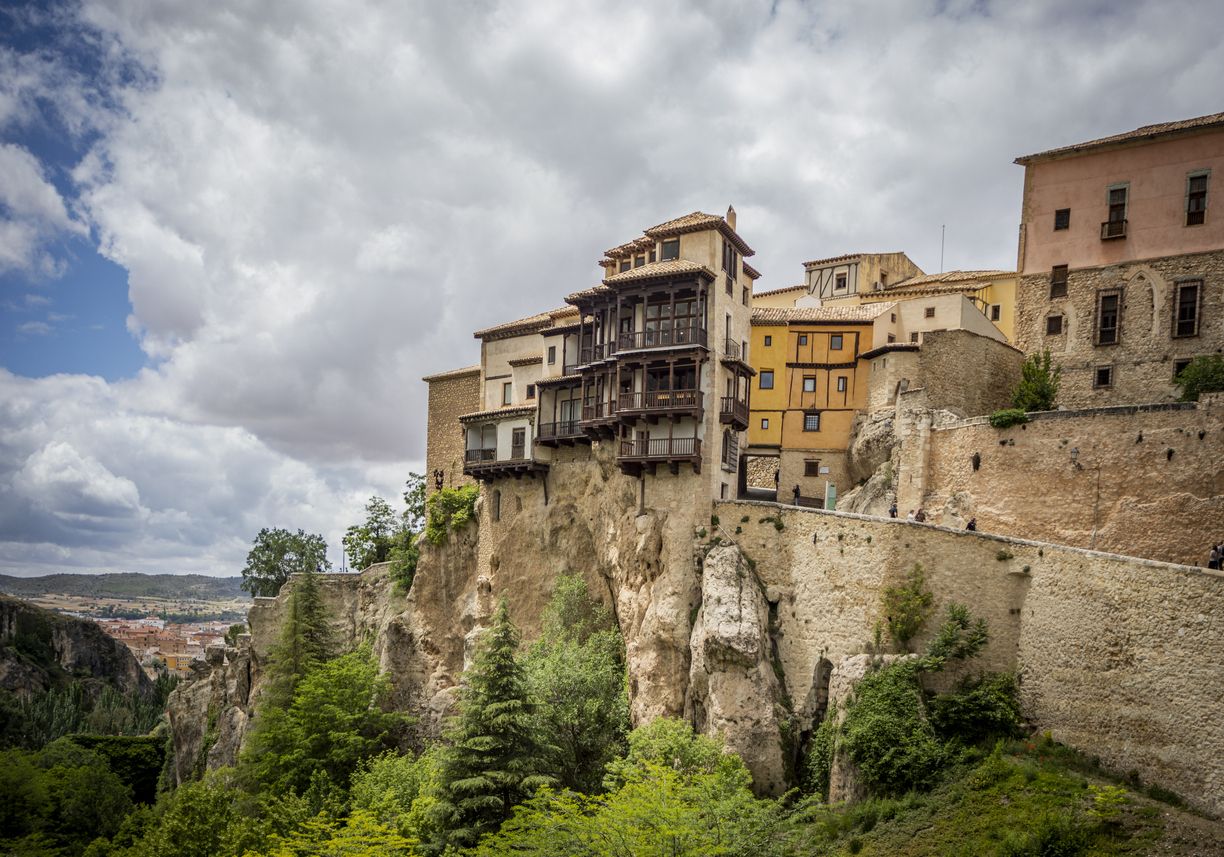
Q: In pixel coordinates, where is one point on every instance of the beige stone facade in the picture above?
(1143, 357)
(451, 394)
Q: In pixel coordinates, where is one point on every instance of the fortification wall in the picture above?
(1145, 481)
(952, 369)
(1115, 655)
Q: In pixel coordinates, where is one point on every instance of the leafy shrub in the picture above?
(980, 709)
(1039, 382)
(1203, 375)
(1008, 417)
(1052, 836)
(818, 763)
(449, 509)
(907, 606)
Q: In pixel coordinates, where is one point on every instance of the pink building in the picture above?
(1121, 259)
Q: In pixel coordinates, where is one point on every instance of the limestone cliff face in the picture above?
(40, 649)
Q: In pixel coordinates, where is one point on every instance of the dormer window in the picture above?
(639, 260)
(840, 282)
(624, 265)
(671, 249)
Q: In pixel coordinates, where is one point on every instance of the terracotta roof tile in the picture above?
(860, 313)
(696, 221)
(799, 288)
(1146, 132)
(588, 293)
(530, 324)
(630, 247)
(751, 272)
(526, 361)
(499, 413)
(845, 257)
(659, 269)
(452, 373)
(558, 379)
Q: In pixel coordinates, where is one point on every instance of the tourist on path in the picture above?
(892, 510)
(972, 525)
(920, 517)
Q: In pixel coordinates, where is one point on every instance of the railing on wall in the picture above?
(660, 448)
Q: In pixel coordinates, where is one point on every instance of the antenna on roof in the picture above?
(942, 230)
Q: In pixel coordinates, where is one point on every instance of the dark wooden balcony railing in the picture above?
(598, 411)
(660, 400)
(661, 448)
(1113, 229)
(565, 428)
(734, 409)
(479, 456)
(732, 349)
(593, 353)
(661, 338)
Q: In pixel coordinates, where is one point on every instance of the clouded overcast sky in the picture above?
(234, 235)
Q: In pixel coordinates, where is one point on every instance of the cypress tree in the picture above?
(305, 641)
(495, 759)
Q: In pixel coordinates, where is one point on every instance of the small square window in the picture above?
(625, 265)
(914, 337)
(811, 467)
(892, 338)
(1062, 219)
(764, 422)
(1178, 366)
(811, 422)
(507, 393)
(552, 354)
(1103, 377)
(996, 312)
(840, 282)
(671, 249)
(1058, 281)
(768, 341)
(803, 339)
(1054, 325)
(929, 312)
(841, 383)
(639, 261)
(766, 380)
(531, 391)
(809, 384)
(651, 256)
(835, 342)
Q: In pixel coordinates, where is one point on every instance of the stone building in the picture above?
(451, 394)
(1121, 260)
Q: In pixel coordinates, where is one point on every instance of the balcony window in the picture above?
(518, 443)
(766, 379)
(1196, 199)
(811, 422)
(671, 249)
(1115, 226)
(1062, 219)
(1186, 308)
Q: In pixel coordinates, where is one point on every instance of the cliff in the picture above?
(40, 650)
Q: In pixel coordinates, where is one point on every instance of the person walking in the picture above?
(972, 525)
(911, 517)
(796, 495)
(1213, 558)
(892, 510)
(921, 516)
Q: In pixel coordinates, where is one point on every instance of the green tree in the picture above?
(414, 503)
(1203, 375)
(370, 542)
(576, 676)
(495, 759)
(906, 607)
(278, 554)
(1039, 382)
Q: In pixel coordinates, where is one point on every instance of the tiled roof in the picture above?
(452, 373)
(530, 324)
(1147, 132)
(845, 257)
(499, 413)
(659, 269)
(951, 277)
(888, 348)
(630, 247)
(526, 361)
(860, 313)
(588, 293)
(696, 221)
(799, 288)
(751, 272)
(559, 379)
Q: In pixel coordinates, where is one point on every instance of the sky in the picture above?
(234, 235)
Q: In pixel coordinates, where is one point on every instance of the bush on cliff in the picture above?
(449, 509)
(1038, 385)
(1008, 417)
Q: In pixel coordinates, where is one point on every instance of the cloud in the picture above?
(32, 214)
(316, 204)
(34, 328)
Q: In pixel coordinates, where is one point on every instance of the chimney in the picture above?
(731, 216)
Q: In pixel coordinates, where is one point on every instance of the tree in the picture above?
(1039, 381)
(305, 642)
(371, 542)
(576, 676)
(278, 554)
(1203, 375)
(495, 759)
(414, 503)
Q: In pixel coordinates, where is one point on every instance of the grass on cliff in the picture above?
(1026, 798)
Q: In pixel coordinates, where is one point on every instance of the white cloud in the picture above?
(32, 213)
(317, 203)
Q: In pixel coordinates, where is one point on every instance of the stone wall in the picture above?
(451, 394)
(1116, 656)
(1144, 357)
(1145, 481)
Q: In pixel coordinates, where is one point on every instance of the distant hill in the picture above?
(127, 585)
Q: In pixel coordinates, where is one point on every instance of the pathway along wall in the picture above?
(1117, 656)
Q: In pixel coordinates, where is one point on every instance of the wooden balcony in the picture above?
(599, 419)
(559, 433)
(732, 350)
(595, 353)
(1111, 229)
(644, 340)
(484, 465)
(649, 453)
(734, 412)
(655, 403)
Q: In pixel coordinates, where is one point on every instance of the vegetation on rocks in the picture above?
(1205, 374)
(1038, 386)
(277, 555)
(448, 510)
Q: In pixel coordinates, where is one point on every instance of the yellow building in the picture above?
(992, 292)
(810, 385)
